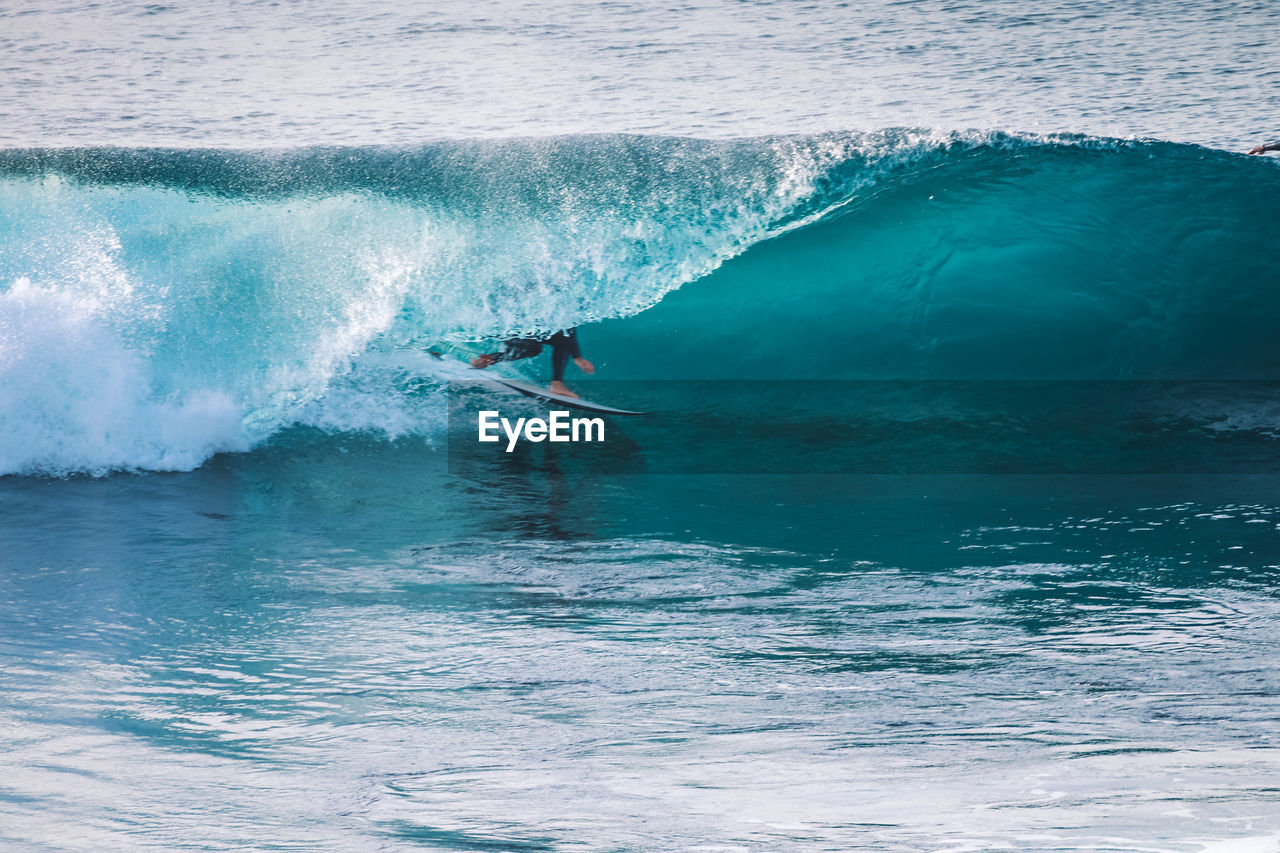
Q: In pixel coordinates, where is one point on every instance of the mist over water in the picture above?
(954, 526)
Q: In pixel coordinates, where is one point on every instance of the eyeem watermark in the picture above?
(558, 427)
(1038, 427)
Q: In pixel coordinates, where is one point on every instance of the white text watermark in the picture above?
(558, 427)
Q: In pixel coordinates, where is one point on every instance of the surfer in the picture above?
(564, 345)
(1263, 149)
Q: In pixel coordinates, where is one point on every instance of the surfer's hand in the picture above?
(482, 361)
(1261, 149)
(585, 366)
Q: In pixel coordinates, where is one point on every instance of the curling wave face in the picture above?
(159, 306)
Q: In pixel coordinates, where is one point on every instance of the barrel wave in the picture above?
(161, 306)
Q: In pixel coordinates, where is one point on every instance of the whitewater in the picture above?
(953, 526)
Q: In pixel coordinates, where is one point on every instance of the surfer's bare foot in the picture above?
(482, 361)
(561, 389)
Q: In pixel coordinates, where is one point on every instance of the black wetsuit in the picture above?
(564, 346)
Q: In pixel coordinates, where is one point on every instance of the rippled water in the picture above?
(285, 654)
(254, 74)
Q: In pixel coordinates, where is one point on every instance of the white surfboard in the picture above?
(572, 402)
(540, 393)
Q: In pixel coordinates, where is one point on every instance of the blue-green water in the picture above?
(954, 525)
(329, 644)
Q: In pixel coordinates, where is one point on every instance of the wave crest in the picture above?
(157, 306)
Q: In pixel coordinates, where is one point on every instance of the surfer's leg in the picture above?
(518, 348)
(559, 358)
(562, 348)
(568, 338)
(513, 349)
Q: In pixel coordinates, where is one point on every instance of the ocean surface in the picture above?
(954, 524)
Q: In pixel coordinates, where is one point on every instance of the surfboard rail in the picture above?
(538, 393)
(572, 402)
